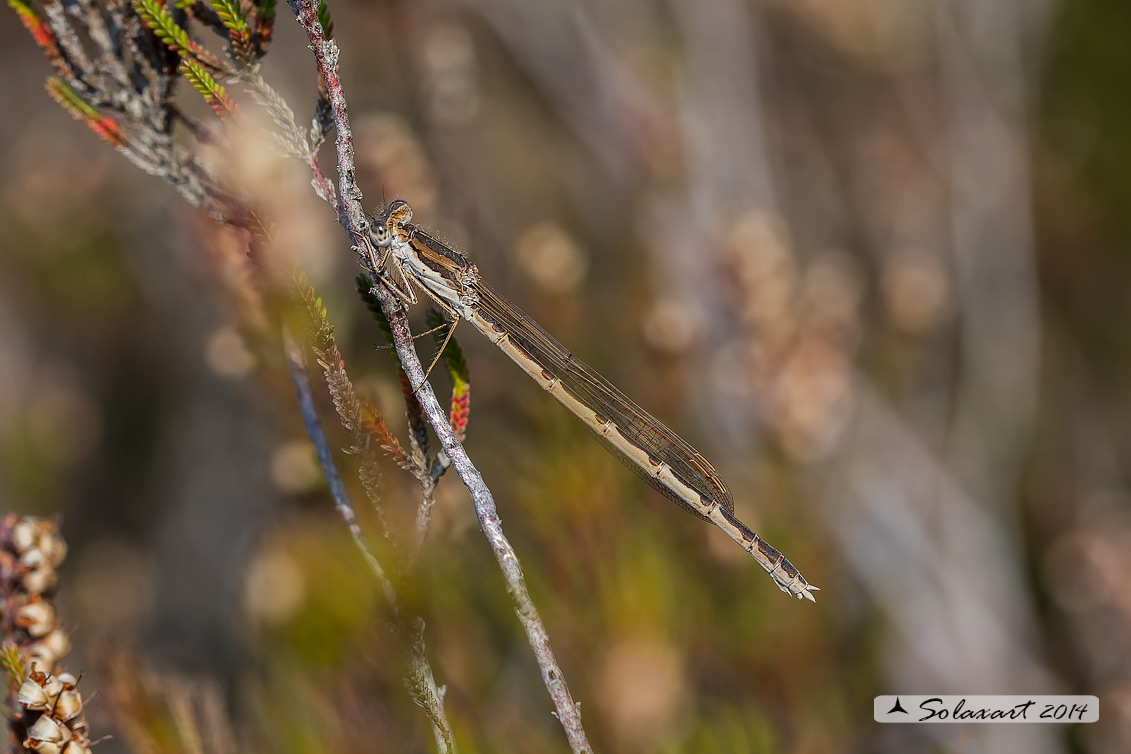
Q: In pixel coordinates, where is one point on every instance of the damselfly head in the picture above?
(384, 225)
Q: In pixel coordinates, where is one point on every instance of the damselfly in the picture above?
(406, 256)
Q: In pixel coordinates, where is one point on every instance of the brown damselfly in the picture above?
(406, 255)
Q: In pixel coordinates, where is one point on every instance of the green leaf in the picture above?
(10, 661)
(232, 15)
(158, 20)
(70, 100)
(325, 20)
(266, 10)
(319, 322)
(214, 94)
(40, 32)
(365, 290)
(104, 126)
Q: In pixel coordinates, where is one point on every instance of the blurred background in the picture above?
(870, 257)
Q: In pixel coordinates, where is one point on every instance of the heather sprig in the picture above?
(376, 425)
(344, 396)
(212, 91)
(232, 15)
(325, 20)
(265, 21)
(38, 29)
(158, 20)
(456, 365)
(364, 288)
(103, 125)
(418, 426)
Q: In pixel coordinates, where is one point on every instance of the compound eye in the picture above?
(399, 212)
(380, 234)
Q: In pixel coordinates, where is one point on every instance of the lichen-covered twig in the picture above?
(354, 220)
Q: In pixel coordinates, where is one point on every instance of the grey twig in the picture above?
(492, 525)
(351, 215)
(353, 219)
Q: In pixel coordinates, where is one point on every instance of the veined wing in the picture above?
(658, 443)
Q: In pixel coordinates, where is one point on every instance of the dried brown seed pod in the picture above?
(57, 643)
(39, 656)
(39, 694)
(35, 573)
(36, 617)
(23, 534)
(68, 706)
(47, 736)
(52, 546)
